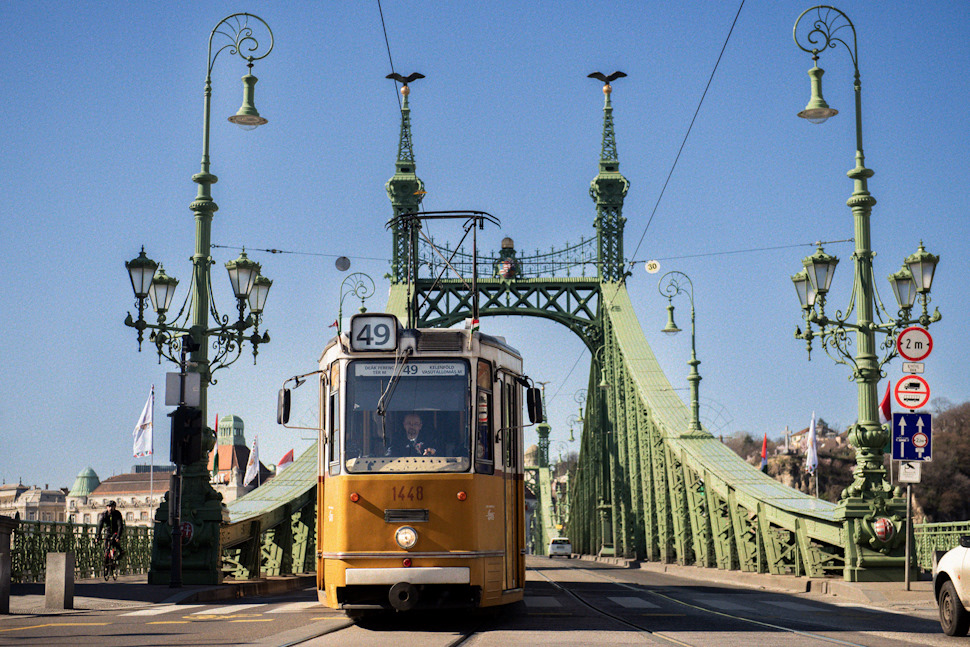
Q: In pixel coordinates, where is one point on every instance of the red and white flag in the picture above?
(885, 411)
(285, 461)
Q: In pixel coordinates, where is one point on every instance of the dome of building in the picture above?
(230, 431)
(532, 455)
(85, 483)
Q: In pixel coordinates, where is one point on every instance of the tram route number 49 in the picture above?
(373, 332)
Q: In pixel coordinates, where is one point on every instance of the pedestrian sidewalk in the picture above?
(133, 591)
(880, 594)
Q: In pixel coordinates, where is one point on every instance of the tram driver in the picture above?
(411, 441)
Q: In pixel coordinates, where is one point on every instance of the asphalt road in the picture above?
(567, 603)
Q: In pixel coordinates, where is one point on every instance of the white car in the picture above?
(951, 586)
(561, 547)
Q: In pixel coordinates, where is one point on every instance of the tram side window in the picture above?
(484, 463)
(333, 451)
(509, 423)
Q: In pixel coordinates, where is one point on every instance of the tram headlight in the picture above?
(406, 537)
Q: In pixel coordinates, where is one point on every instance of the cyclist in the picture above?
(114, 523)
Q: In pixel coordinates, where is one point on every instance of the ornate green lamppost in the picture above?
(679, 283)
(358, 284)
(871, 547)
(190, 328)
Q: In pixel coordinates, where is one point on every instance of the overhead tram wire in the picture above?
(745, 251)
(284, 251)
(390, 60)
(687, 134)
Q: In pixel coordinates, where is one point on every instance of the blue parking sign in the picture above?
(912, 437)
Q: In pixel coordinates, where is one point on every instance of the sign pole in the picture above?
(909, 528)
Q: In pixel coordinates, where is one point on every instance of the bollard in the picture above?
(59, 581)
(4, 583)
(7, 526)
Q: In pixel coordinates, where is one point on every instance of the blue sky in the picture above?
(102, 107)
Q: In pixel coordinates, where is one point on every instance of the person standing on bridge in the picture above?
(412, 442)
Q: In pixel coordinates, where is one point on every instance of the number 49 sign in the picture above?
(373, 332)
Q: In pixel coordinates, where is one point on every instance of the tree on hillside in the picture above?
(944, 491)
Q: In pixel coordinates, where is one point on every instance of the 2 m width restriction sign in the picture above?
(912, 392)
(914, 344)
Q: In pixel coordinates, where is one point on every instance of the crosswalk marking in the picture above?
(545, 601)
(296, 606)
(159, 610)
(223, 611)
(633, 603)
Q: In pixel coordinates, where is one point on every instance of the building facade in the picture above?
(30, 503)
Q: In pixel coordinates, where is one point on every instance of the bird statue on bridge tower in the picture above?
(607, 80)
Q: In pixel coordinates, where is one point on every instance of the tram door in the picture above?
(510, 462)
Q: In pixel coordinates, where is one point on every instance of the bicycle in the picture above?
(112, 555)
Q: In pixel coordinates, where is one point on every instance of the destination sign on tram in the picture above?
(411, 369)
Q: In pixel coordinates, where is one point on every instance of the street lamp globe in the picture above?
(922, 264)
(141, 270)
(806, 292)
(162, 290)
(247, 117)
(820, 268)
(817, 111)
(671, 327)
(242, 275)
(257, 298)
(904, 287)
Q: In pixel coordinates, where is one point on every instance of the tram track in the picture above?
(350, 632)
(668, 640)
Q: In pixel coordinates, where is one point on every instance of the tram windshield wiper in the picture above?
(388, 393)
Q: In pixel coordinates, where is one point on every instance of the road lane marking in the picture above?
(254, 620)
(631, 602)
(57, 624)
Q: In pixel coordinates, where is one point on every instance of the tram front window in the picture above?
(425, 428)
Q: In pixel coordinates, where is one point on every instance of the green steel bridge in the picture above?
(648, 486)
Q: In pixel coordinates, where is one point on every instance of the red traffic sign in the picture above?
(912, 392)
(914, 344)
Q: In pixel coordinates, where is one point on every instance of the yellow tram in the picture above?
(420, 500)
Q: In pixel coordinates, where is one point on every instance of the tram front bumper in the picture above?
(416, 575)
(403, 589)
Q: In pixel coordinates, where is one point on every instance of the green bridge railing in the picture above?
(32, 540)
(930, 537)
